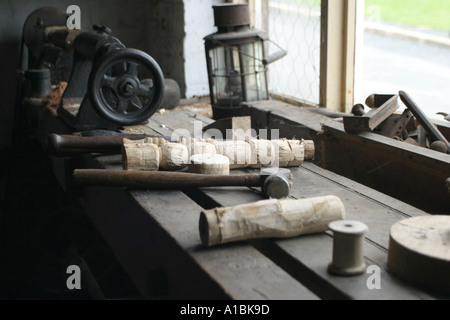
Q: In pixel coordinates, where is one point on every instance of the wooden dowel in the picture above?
(269, 219)
(241, 154)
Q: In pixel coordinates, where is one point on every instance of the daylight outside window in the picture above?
(406, 46)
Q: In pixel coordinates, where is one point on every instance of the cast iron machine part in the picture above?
(274, 182)
(109, 85)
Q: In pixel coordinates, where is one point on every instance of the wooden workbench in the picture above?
(155, 235)
(410, 173)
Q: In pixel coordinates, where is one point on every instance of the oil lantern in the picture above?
(235, 60)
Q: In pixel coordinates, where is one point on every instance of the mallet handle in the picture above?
(62, 145)
(161, 179)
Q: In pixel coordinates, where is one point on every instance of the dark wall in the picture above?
(154, 26)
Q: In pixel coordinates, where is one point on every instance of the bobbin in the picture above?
(348, 243)
(209, 163)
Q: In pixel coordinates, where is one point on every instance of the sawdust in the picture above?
(53, 101)
(198, 108)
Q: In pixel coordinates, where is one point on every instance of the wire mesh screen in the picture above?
(294, 25)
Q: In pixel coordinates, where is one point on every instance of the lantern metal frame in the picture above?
(241, 63)
(236, 61)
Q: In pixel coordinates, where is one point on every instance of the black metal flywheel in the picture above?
(126, 86)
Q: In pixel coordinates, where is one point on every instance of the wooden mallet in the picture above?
(274, 182)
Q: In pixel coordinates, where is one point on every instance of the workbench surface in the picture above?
(155, 236)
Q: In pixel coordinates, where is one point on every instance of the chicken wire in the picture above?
(294, 25)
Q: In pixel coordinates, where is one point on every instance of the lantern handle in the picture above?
(274, 57)
(267, 60)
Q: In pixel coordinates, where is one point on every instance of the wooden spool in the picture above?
(140, 156)
(238, 152)
(173, 156)
(153, 140)
(310, 149)
(209, 163)
(241, 154)
(201, 147)
(263, 153)
(419, 251)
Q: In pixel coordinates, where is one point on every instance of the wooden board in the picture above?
(309, 256)
(165, 224)
(155, 236)
(297, 115)
(409, 173)
(373, 118)
(392, 167)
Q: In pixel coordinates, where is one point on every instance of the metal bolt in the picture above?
(128, 88)
(348, 243)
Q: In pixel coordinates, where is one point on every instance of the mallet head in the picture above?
(277, 182)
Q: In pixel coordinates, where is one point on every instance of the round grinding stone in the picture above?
(419, 251)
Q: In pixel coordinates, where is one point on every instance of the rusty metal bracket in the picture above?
(394, 126)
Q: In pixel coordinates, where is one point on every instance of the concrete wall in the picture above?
(154, 26)
(199, 22)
